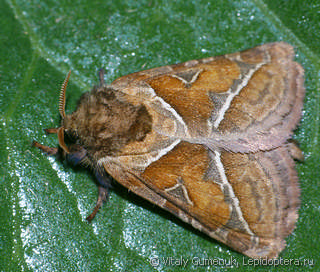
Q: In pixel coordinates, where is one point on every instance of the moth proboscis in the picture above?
(208, 140)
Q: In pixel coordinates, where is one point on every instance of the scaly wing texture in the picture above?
(217, 156)
(248, 201)
(243, 102)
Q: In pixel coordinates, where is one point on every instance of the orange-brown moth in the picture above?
(208, 140)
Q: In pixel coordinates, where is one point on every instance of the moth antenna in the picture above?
(62, 98)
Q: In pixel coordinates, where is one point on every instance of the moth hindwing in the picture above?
(208, 140)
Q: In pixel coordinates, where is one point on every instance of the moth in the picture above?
(208, 140)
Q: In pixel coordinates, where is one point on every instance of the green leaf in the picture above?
(44, 202)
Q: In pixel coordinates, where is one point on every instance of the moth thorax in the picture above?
(105, 124)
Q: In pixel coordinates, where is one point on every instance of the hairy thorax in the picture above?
(102, 124)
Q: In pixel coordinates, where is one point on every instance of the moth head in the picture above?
(74, 152)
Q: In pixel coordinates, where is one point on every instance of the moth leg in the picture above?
(51, 130)
(102, 197)
(101, 77)
(79, 157)
(104, 183)
(294, 150)
(47, 149)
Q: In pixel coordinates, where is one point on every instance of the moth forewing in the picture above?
(208, 140)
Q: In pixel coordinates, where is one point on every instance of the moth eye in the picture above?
(71, 135)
